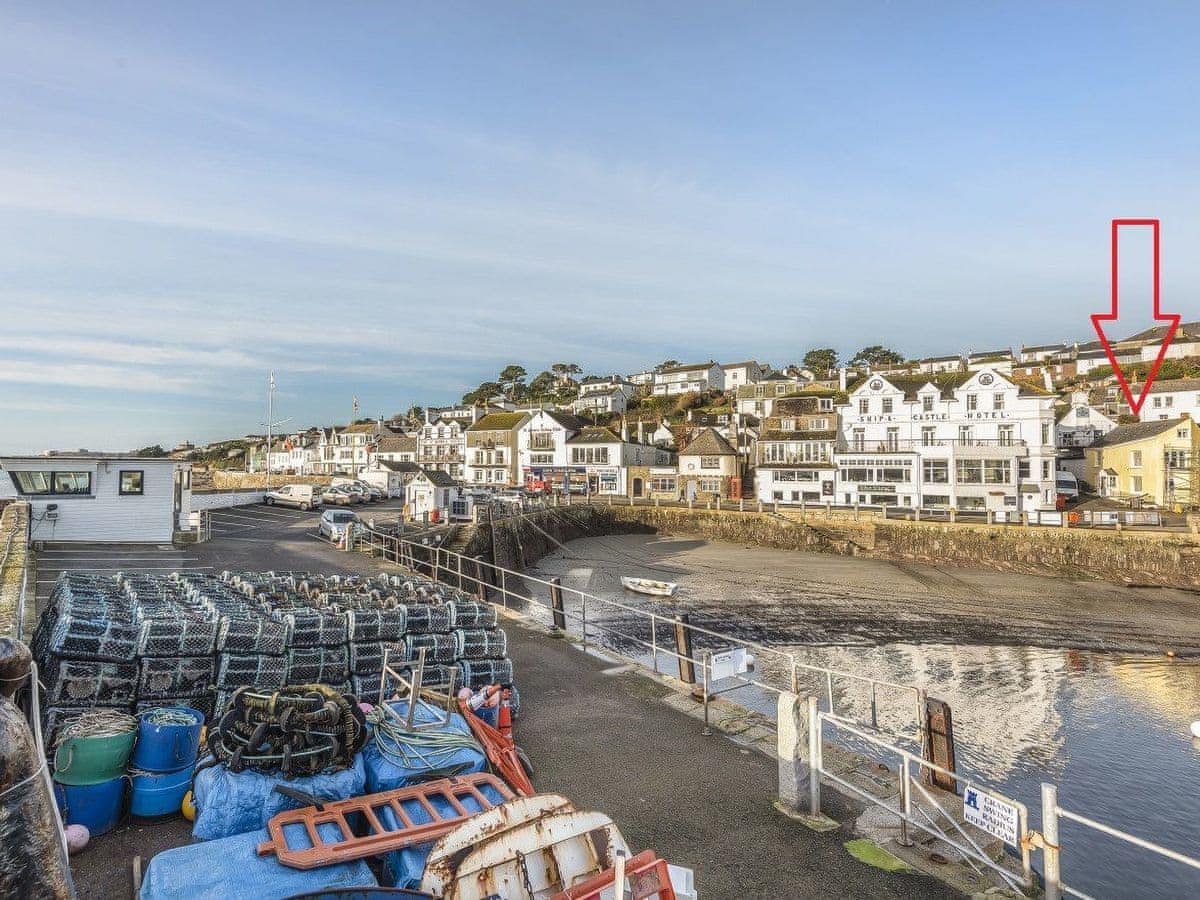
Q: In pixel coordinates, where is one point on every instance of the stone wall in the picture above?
(1169, 559)
(222, 480)
(520, 541)
(14, 529)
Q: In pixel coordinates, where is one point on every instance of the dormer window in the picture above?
(927, 403)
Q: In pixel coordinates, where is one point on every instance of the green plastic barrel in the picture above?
(89, 760)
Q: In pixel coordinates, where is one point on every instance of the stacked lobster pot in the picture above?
(85, 647)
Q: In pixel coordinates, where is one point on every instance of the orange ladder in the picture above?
(348, 846)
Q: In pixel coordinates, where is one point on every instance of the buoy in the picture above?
(1196, 729)
(188, 807)
(77, 838)
(1171, 654)
(367, 708)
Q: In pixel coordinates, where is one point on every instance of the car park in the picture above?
(334, 523)
(339, 496)
(301, 496)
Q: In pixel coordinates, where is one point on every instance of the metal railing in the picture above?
(1053, 845)
(517, 588)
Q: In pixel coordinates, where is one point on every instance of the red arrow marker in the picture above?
(1135, 403)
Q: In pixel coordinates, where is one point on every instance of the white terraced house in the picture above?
(706, 376)
(609, 394)
(974, 440)
(442, 446)
(605, 458)
(1170, 400)
(740, 373)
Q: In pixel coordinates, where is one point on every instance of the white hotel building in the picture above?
(972, 440)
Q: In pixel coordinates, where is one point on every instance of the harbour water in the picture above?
(1110, 729)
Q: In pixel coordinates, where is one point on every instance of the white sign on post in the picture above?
(995, 816)
(728, 663)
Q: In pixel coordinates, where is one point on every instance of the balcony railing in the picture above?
(893, 446)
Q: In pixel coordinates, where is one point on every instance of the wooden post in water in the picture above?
(683, 647)
(556, 601)
(939, 744)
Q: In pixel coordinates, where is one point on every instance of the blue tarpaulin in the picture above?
(386, 772)
(228, 803)
(231, 867)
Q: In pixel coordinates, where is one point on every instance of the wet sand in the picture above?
(790, 596)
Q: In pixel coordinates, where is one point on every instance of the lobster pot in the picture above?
(434, 676)
(426, 618)
(311, 628)
(96, 637)
(187, 676)
(477, 673)
(439, 648)
(177, 636)
(312, 665)
(468, 614)
(202, 703)
(239, 670)
(366, 688)
(479, 643)
(377, 624)
(367, 658)
(85, 682)
(252, 634)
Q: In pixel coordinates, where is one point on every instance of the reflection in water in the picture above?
(1111, 730)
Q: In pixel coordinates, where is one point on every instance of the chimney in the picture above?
(624, 430)
(842, 378)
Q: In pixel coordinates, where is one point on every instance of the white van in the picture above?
(301, 496)
(1066, 485)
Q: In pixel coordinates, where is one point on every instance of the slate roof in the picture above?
(566, 420)
(439, 478)
(1177, 384)
(398, 443)
(595, 434)
(499, 421)
(1140, 431)
(775, 435)
(1158, 332)
(709, 443)
(704, 366)
(391, 466)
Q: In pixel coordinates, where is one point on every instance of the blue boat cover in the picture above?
(228, 803)
(404, 868)
(386, 772)
(231, 867)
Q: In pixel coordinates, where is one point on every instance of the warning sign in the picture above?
(995, 816)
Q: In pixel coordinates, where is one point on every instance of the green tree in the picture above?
(152, 451)
(876, 355)
(666, 364)
(482, 394)
(564, 370)
(542, 387)
(821, 360)
(512, 381)
(415, 413)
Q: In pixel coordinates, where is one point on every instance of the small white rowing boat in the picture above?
(649, 586)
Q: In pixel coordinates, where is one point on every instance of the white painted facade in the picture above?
(687, 379)
(605, 459)
(542, 441)
(442, 445)
(1081, 424)
(985, 444)
(605, 395)
(102, 499)
(1171, 399)
(736, 375)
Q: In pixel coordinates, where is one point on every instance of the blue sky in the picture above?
(393, 200)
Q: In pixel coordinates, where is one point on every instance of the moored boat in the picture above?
(650, 586)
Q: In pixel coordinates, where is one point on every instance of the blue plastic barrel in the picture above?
(159, 793)
(167, 748)
(98, 806)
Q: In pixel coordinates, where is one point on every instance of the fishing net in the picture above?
(428, 619)
(316, 628)
(470, 614)
(477, 673)
(252, 634)
(202, 703)
(478, 643)
(312, 665)
(180, 677)
(367, 658)
(83, 682)
(439, 648)
(177, 636)
(240, 669)
(377, 624)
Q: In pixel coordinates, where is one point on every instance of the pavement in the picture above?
(595, 730)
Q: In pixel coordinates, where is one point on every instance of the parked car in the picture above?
(339, 496)
(334, 523)
(356, 490)
(1066, 484)
(373, 493)
(301, 496)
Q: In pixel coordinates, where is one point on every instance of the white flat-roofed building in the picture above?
(696, 377)
(974, 440)
(101, 498)
(607, 394)
(1170, 399)
(933, 365)
(740, 373)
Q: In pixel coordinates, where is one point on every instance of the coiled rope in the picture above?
(166, 715)
(429, 750)
(96, 723)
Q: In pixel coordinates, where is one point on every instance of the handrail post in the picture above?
(480, 584)
(829, 687)
(1050, 847)
(683, 649)
(706, 664)
(906, 803)
(583, 618)
(654, 642)
(504, 587)
(814, 757)
(556, 602)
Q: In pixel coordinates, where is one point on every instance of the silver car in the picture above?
(334, 523)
